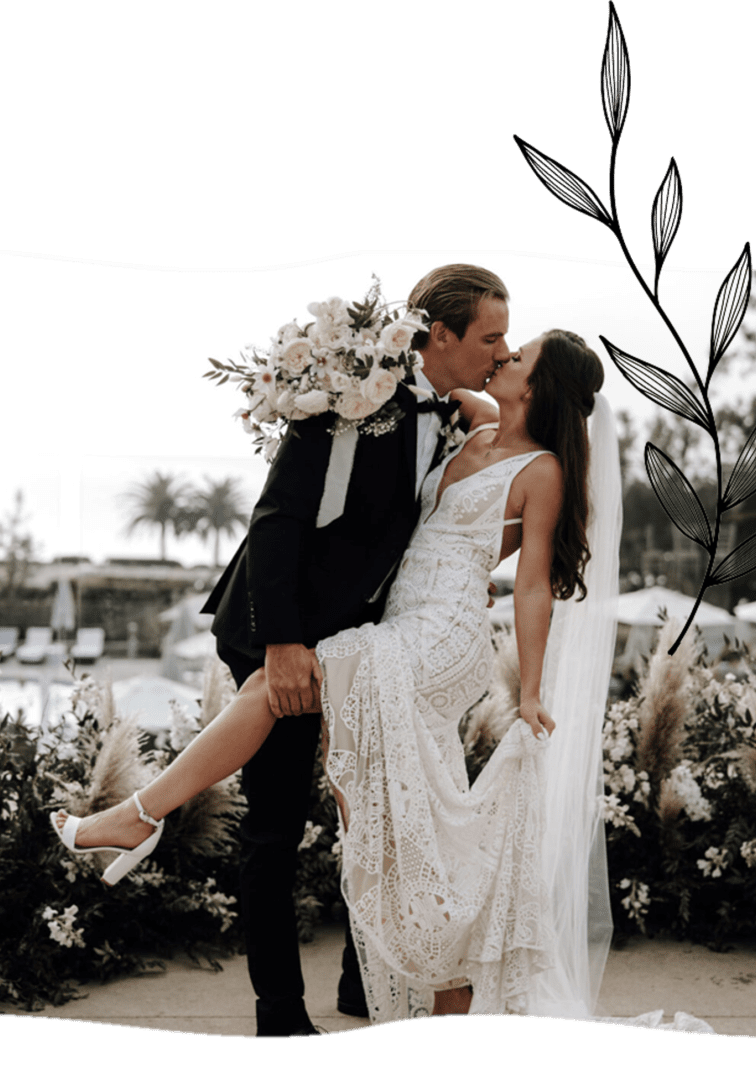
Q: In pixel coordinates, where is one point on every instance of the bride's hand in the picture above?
(534, 714)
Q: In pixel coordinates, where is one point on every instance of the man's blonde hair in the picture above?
(452, 295)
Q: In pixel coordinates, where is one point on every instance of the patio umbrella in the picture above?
(63, 618)
(640, 610)
(746, 612)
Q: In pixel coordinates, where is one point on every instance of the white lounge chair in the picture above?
(89, 644)
(8, 641)
(36, 643)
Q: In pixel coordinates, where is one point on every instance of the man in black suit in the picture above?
(291, 584)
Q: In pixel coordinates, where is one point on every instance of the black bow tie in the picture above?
(445, 409)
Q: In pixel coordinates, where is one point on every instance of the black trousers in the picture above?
(276, 783)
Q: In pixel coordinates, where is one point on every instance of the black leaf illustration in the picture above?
(678, 498)
(659, 386)
(665, 217)
(615, 77)
(730, 307)
(740, 561)
(564, 184)
(742, 482)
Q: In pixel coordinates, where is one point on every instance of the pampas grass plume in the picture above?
(664, 692)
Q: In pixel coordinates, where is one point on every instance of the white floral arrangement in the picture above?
(348, 361)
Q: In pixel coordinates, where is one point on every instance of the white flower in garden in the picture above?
(313, 402)
(617, 813)
(379, 386)
(637, 901)
(61, 926)
(184, 726)
(684, 785)
(714, 861)
(748, 852)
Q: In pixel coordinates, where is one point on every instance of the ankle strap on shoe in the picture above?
(143, 813)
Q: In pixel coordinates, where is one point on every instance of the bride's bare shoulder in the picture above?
(543, 479)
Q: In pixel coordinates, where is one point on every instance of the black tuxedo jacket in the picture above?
(292, 582)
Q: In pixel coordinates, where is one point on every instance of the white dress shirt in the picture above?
(428, 428)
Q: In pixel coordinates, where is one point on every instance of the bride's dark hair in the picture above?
(563, 382)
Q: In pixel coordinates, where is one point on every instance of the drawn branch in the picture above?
(729, 309)
(673, 490)
(665, 217)
(563, 183)
(676, 494)
(742, 482)
(659, 386)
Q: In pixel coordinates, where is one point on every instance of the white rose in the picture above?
(296, 356)
(333, 337)
(314, 401)
(353, 406)
(397, 337)
(379, 386)
(341, 382)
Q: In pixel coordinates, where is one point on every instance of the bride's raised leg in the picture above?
(227, 743)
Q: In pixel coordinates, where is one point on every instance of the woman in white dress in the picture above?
(447, 885)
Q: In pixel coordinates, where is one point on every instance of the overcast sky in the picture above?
(103, 365)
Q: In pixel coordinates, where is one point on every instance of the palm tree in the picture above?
(158, 501)
(218, 508)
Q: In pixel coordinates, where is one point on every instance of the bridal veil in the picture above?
(577, 668)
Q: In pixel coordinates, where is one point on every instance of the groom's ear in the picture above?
(441, 335)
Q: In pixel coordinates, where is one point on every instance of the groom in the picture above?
(291, 584)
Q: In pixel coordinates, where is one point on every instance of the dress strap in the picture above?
(480, 427)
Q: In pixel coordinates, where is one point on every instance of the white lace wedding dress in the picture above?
(448, 883)
(442, 880)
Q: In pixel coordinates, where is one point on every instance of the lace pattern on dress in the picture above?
(442, 880)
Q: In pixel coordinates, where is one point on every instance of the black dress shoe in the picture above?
(302, 1033)
(352, 1008)
(350, 995)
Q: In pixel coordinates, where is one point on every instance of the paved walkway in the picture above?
(644, 976)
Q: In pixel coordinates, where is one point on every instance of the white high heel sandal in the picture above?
(127, 857)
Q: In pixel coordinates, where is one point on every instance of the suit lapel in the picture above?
(408, 402)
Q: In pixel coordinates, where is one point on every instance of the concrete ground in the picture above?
(644, 976)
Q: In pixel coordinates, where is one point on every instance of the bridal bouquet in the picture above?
(348, 361)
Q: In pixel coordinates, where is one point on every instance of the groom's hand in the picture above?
(293, 677)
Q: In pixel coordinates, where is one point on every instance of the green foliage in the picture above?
(682, 844)
(60, 926)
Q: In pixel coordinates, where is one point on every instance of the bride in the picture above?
(451, 886)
